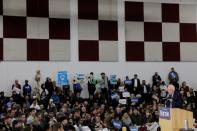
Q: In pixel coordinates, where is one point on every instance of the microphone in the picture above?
(168, 101)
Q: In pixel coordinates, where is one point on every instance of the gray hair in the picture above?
(171, 87)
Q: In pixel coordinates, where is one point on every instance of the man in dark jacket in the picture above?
(27, 89)
(136, 117)
(156, 79)
(174, 99)
(145, 91)
(174, 78)
(135, 84)
(49, 86)
(91, 85)
(7, 124)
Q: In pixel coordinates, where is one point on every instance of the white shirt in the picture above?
(135, 82)
(17, 90)
(145, 90)
(37, 107)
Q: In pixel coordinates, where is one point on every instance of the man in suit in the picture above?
(135, 84)
(174, 99)
(145, 91)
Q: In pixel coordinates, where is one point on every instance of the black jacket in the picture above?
(175, 102)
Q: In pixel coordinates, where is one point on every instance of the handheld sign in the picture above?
(62, 78)
(114, 96)
(121, 89)
(135, 100)
(126, 94)
(123, 101)
(80, 77)
(113, 79)
(133, 129)
(127, 82)
(117, 124)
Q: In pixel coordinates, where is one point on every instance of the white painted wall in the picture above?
(26, 70)
(9, 71)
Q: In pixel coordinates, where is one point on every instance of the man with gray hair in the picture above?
(174, 99)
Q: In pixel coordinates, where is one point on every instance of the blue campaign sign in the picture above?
(62, 78)
(113, 79)
(135, 100)
(133, 129)
(127, 82)
(164, 113)
(117, 124)
(114, 96)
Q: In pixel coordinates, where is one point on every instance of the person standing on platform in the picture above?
(104, 86)
(91, 85)
(16, 87)
(135, 84)
(49, 86)
(156, 79)
(27, 89)
(37, 90)
(173, 78)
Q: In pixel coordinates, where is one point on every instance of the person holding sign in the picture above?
(127, 84)
(116, 122)
(174, 78)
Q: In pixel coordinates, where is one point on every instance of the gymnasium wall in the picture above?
(71, 36)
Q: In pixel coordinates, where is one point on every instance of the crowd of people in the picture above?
(49, 107)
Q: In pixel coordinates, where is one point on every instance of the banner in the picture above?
(62, 78)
